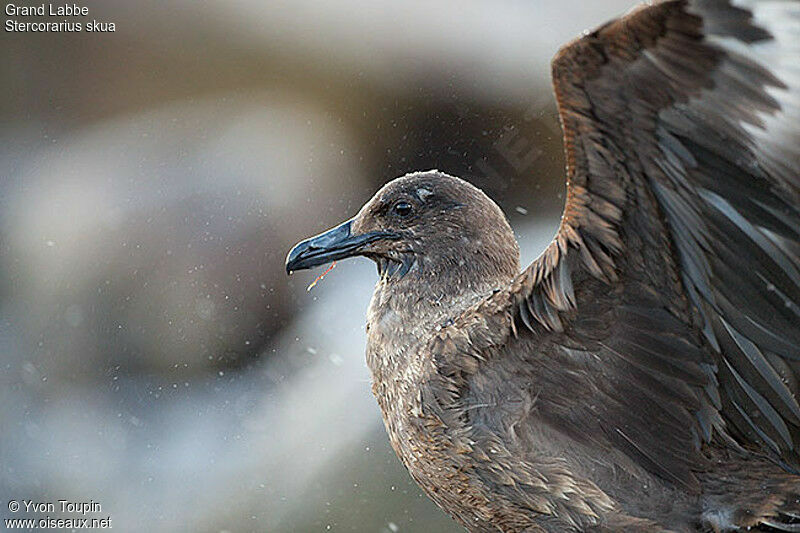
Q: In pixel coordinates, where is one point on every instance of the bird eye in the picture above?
(402, 209)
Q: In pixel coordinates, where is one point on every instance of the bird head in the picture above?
(422, 224)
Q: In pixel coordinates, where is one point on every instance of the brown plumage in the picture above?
(642, 374)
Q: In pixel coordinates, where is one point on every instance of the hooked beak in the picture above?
(336, 243)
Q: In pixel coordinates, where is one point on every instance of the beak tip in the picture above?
(294, 257)
(318, 250)
(334, 244)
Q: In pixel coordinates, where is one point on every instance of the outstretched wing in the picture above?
(674, 280)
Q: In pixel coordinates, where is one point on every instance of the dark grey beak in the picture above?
(336, 243)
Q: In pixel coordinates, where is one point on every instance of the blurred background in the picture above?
(154, 357)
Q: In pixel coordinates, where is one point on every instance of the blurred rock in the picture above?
(157, 241)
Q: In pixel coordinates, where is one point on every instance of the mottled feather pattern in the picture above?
(643, 373)
(659, 111)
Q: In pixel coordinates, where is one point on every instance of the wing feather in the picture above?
(682, 133)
